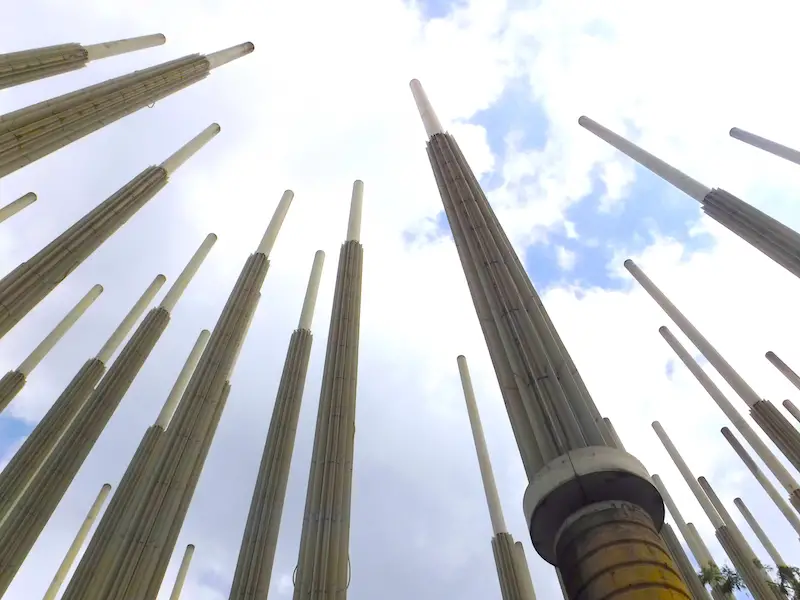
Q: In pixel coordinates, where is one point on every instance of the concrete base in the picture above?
(612, 550)
(578, 479)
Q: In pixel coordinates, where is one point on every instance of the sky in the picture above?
(324, 100)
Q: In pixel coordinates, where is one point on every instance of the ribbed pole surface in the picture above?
(555, 421)
(323, 563)
(31, 513)
(38, 446)
(134, 567)
(25, 66)
(512, 572)
(748, 433)
(786, 511)
(696, 588)
(28, 284)
(31, 133)
(773, 238)
(257, 553)
(740, 552)
(774, 424)
(113, 521)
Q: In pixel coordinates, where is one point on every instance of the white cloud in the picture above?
(323, 101)
(566, 258)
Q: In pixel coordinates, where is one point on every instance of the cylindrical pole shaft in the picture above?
(271, 234)
(48, 343)
(766, 455)
(700, 553)
(785, 370)
(429, 118)
(121, 332)
(176, 291)
(190, 148)
(751, 465)
(182, 571)
(792, 409)
(310, 300)
(760, 533)
(715, 358)
(9, 210)
(107, 49)
(356, 207)
(176, 393)
(223, 57)
(698, 492)
(766, 145)
(667, 172)
(77, 544)
(489, 485)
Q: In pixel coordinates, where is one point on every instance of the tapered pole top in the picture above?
(429, 118)
(48, 343)
(106, 49)
(356, 205)
(176, 291)
(670, 174)
(310, 300)
(274, 227)
(9, 210)
(189, 149)
(223, 57)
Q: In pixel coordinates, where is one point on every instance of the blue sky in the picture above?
(314, 121)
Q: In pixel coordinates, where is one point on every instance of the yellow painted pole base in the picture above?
(613, 551)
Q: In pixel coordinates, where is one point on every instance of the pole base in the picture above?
(612, 550)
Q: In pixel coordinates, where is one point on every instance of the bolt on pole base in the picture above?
(612, 549)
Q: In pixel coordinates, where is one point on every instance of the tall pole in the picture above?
(697, 546)
(9, 210)
(760, 533)
(77, 543)
(323, 563)
(757, 575)
(727, 534)
(182, 571)
(43, 128)
(38, 446)
(29, 516)
(13, 381)
(108, 530)
(766, 145)
(764, 453)
(512, 572)
(791, 409)
(773, 238)
(134, 567)
(28, 284)
(696, 587)
(21, 67)
(774, 424)
(785, 370)
(751, 465)
(564, 443)
(257, 552)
